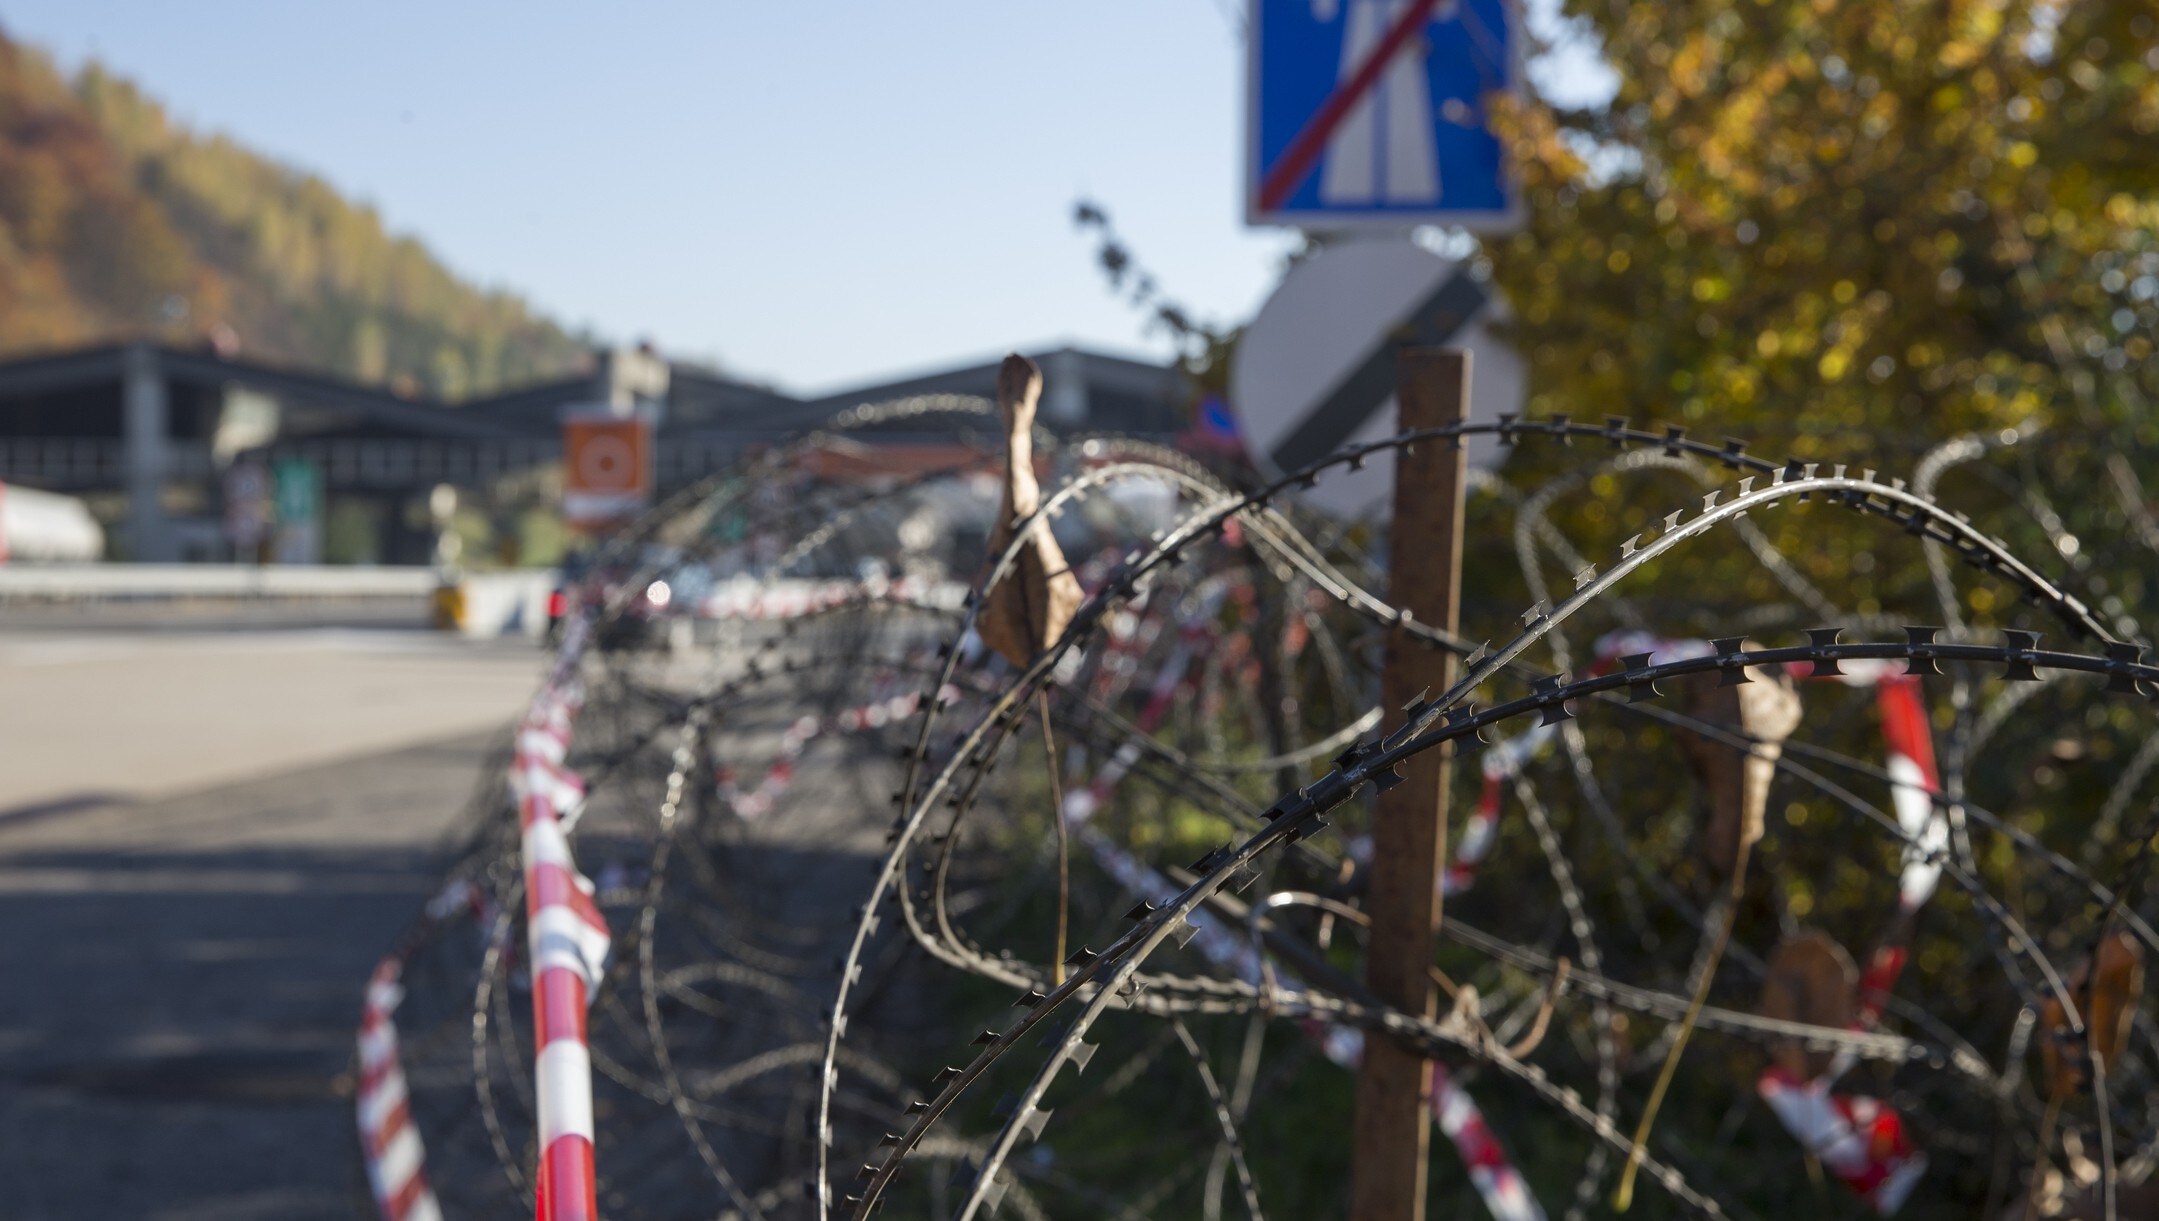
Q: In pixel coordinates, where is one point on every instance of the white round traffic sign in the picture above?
(1315, 370)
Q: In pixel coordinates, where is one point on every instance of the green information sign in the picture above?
(299, 492)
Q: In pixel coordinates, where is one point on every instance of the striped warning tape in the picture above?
(395, 1171)
(389, 1139)
(567, 941)
(1504, 1191)
(758, 800)
(1861, 1140)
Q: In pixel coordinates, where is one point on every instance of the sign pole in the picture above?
(1409, 832)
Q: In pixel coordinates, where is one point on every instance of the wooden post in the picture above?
(1409, 836)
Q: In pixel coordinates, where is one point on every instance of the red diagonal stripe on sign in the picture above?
(1296, 161)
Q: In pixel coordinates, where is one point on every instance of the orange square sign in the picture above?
(606, 468)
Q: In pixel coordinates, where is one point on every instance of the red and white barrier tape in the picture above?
(391, 1144)
(567, 941)
(1504, 1191)
(1861, 1140)
(758, 800)
(390, 1141)
(1909, 745)
(744, 599)
(1502, 1187)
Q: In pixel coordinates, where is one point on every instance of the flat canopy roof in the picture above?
(701, 402)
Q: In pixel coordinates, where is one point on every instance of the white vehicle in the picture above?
(47, 527)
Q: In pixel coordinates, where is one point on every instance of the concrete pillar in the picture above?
(146, 418)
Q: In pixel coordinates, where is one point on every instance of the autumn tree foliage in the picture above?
(1847, 221)
(116, 223)
(1849, 232)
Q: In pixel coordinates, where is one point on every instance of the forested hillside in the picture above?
(117, 223)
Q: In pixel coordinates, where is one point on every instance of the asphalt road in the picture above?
(209, 831)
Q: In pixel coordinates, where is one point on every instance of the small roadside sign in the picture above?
(249, 511)
(606, 466)
(1374, 113)
(299, 511)
(1316, 369)
(298, 492)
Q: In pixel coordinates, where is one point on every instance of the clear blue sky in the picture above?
(814, 193)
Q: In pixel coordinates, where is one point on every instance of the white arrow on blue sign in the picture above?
(1374, 113)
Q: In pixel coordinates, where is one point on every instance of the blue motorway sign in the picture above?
(1374, 112)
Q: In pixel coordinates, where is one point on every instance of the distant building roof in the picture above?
(31, 388)
(1084, 391)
